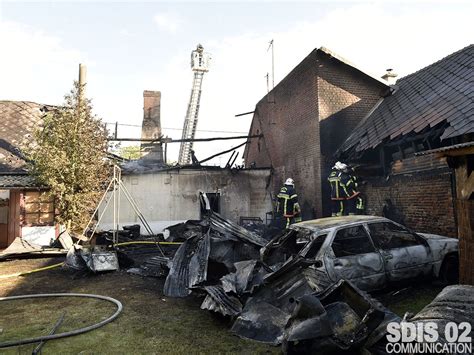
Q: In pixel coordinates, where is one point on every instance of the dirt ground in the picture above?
(150, 322)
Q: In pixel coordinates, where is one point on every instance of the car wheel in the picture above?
(449, 273)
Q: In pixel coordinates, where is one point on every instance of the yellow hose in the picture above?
(30, 272)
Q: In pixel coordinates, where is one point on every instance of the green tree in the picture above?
(131, 152)
(69, 157)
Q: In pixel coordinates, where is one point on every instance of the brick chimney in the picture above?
(390, 77)
(151, 126)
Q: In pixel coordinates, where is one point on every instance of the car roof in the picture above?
(331, 222)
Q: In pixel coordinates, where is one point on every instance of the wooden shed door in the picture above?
(14, 217)
(4, 212)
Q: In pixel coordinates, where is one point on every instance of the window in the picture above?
(38, 208)
(313, 247)
(390, 236)
(352, 241)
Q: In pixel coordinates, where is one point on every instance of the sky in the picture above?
(129, 47)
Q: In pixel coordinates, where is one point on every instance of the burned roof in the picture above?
(447, 149)
(18, 119)
(331, 222)
(440, 92)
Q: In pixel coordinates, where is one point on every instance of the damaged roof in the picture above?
(442, 91)
(18, 119)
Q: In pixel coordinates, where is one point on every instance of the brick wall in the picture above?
(345, 96)
(424, 199)
(288, 118)
(304, 119)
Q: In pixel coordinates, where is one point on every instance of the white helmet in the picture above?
(290, 182)
(340, 166)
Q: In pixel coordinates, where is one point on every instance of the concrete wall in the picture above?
(304, 119)
(170, 197)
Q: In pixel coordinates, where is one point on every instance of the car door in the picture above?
(406, 255)
(353, 256)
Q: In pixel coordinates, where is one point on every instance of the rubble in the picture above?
(276, 292)
(189, 266)
(340, 318)
(21, 248)
(219, 243)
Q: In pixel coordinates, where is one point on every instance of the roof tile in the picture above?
(442, 91)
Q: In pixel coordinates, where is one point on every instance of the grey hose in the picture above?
(65, 334)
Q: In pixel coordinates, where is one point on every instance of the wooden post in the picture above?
(465, 217)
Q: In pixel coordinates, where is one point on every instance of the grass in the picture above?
(149, 324)
(411, 299)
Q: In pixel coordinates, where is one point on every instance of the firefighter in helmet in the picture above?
(349, 185)
(338, 193)
(288, 209)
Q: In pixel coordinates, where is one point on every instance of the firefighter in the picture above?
(351, 192)
(288, 208)
(359, 206)
(338, 194)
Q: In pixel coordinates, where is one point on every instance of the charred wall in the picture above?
(169, 197)
(424, 199)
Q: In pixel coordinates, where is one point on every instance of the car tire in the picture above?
(449, 273)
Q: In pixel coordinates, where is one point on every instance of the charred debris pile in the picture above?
(268, 290)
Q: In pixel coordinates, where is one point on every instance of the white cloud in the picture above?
(126, 33)
(168, 22)
(35, 66)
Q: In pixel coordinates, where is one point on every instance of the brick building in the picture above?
(429, 109)
(26, 211)
(305, 118)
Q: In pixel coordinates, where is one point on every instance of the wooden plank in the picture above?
(463, 180)
(465, 216)
(14, 220)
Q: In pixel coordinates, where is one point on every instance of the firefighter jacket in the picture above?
(337, 190)
(349, 185)
(287, 203)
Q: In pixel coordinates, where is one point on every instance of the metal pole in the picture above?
(166, 153)
(97, 208)
(115, 206)
(119, 178)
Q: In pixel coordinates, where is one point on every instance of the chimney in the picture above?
(151, 126)
(390, 77)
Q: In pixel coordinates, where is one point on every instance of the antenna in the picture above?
(270, 45)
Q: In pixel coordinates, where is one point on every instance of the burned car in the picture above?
(370, 251)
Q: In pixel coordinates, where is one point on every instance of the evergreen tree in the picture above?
(68, 156)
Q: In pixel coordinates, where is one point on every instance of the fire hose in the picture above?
(65, 334)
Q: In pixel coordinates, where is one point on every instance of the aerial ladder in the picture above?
(199, 65)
